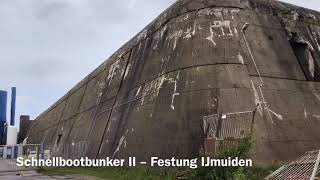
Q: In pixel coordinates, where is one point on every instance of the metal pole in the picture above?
(316, 165)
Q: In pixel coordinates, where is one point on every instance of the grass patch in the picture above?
(232, 173)
(111, 173)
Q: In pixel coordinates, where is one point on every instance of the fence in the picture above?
(304, 168)
(9, 155)
(226, 130)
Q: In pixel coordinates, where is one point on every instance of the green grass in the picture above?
(111, 173)
(233, 173)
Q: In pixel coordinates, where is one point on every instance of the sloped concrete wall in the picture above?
(194, 60)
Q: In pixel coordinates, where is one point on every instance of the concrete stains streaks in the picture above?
(122, 141)
(240, 58)
(236, 31)
(311, 64)
(158, 36)
(174, 94)
(211, 37)
(99, 98)
(145, 92)
(186, 17)
(205, 12)
(219, 12)
(101, 87)
(151, 88)
(305, 113)
(175, 36)
(142, 35)
(279, 116)
(234, 11)
(127, 71)
(138, 91)
(190, 32)
(315, 35)
(113, 70)
(223, 26)
(295, 15)
(312, 16)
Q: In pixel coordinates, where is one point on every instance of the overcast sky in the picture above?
(47, 46)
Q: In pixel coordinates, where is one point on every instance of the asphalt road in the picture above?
(33, 175)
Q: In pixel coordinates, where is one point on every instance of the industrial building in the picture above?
(8, 131)
(25, 125)
(202, 74)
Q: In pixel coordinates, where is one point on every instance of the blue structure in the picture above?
(3, 106)
(3, 116)
(13, 105)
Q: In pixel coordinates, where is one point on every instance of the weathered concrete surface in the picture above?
(197, 58)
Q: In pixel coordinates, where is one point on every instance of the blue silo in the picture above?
(3, 116)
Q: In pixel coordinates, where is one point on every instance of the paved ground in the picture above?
(9, 171)
(33, 175)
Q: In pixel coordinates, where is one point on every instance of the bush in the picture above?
(232, 173)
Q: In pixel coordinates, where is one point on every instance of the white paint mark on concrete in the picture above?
(233, 12)
(311, 64)
(295, 15)
(236, 31)
(218, 13)
(159, 36)
(305, 113)
(186, 17)
(240, 58)
(99, 98)
(113, 70)
(121, 142)
(211, 37)
(176, 35)
(221, 25)
(190, 32)
(138, 91)
(279, 116)
(174, 94)
(127, 71)
(312, 16)
(142, 35)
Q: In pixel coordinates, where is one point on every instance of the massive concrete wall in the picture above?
(197, 58)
